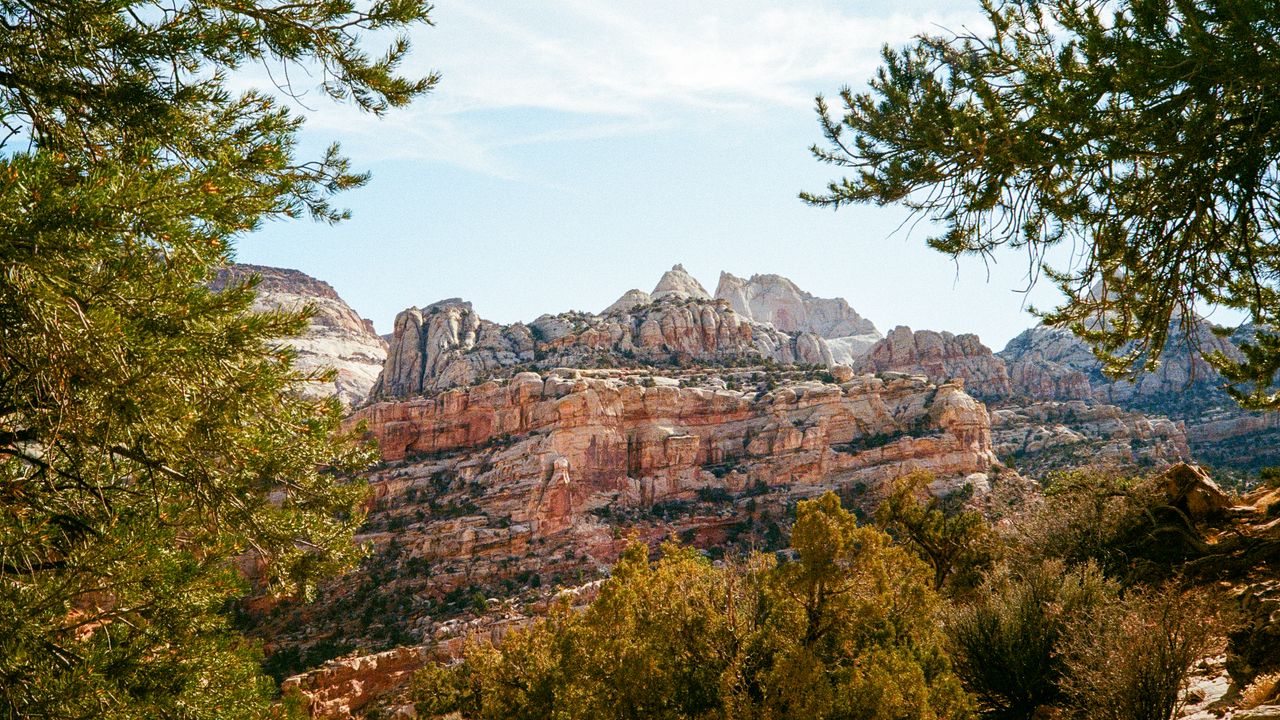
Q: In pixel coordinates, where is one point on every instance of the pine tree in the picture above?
(1145, 132)
(150, 430)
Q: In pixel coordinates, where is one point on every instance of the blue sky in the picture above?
(578, 149)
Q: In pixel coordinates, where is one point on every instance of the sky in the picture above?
(575, 150)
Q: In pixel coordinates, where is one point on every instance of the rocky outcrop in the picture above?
(540, 479)
(629, 300)
(448, 345)
(940, 356)
(631, 434)
(678, 284)
(342, 688)
(336, 337)
(1039, 437)
(776, 300)
(1182, 379)
(1052, 364)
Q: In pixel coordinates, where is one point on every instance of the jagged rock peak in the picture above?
(630, 299)
(678, 283)
(777, 300)
(940, 356)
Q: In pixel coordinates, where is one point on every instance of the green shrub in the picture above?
(1123, 524)
(847, 631)
(1130, 659)
(1004, 646)
(954, 541)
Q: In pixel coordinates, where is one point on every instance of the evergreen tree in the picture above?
(846, 631)
(1145, 131)
(150, 429)
(951, 539)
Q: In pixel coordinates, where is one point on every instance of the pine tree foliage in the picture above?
(954, 541)
(846, 631)
(151, 434)
(1146, 132)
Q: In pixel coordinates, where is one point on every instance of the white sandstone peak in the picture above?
(777, 300)
(678, 283)
(629, 300)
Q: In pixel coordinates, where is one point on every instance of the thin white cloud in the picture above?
(618, 68)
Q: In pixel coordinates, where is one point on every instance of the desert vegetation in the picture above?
(1080, 607)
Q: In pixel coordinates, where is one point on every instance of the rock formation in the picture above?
(1052, 364)
(520, 457)
(1049, 435)
(940, 356)
(629, 300)
(680, 285)
(336, 336)
(540, 478)
(776, 300)
(448, 345)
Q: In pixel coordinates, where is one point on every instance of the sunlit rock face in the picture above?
(940, 356)
(679, 284)
(336, 336)
(1052, 364)
(776, 300)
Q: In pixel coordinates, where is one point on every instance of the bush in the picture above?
(1129, 659)
(1004, 646)
(848, 631)
(1124, 524)
(955, 542)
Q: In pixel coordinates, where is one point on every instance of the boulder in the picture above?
(1190, 488)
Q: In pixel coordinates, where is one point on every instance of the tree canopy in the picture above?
(1146, 132)
(150, 428)
(847, 630)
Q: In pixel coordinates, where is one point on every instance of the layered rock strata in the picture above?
(540, 479)
(1052, 364)
(940, 356)
(448, 345)
(1040, 421)
(1038, 437)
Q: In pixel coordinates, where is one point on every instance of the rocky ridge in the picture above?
(336, 336)
(447, 344)
(776, 300)
(1038, 425)
(519, 457)
(1052, 364)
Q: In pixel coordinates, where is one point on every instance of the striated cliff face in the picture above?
(538, 480)
(1044, 414)
(1183, 380)
(1052, 364)
(776, 300)
(647, 437)
(336, 337)
(940, 356)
